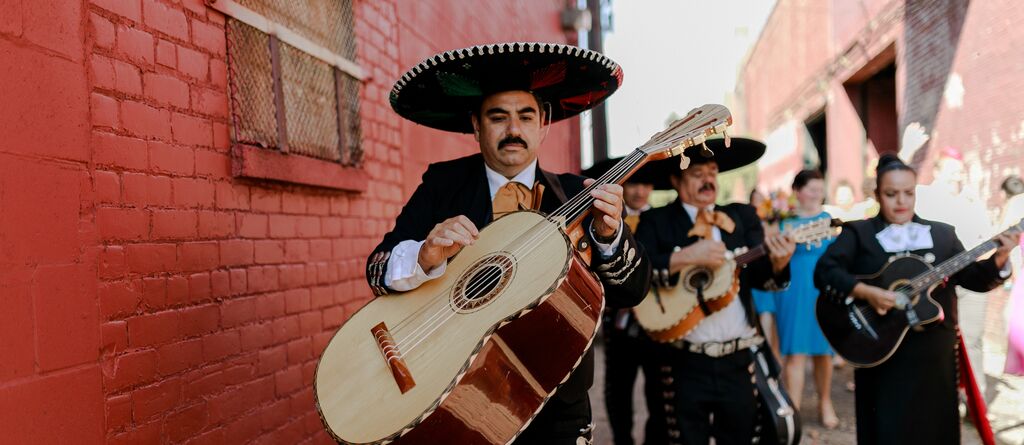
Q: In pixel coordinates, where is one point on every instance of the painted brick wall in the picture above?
(151, 297)
(956, 74)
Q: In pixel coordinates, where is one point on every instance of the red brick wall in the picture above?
(935, 41)
(148, 295)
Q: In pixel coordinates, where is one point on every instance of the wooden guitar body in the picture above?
(866, 339)
(669, 313)
(508, 322)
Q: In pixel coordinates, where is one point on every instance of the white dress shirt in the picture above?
(730, 322)
(404, 272)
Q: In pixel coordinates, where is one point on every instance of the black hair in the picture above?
(801, 179)
(1013, 185)
(543, 111)
(888, 163)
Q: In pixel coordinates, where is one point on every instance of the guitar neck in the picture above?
(751, 255)
(574, 210)
(950, 266)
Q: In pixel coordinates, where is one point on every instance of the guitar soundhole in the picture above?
(483, 282)
(697, 278)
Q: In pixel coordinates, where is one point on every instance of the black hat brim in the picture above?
(740, 153)
(444, 90)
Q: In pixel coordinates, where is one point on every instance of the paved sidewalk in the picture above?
(1006, 404)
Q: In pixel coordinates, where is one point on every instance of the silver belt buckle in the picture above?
(713, 349)
(728, 348)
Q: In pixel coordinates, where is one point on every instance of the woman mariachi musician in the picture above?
(917, 385)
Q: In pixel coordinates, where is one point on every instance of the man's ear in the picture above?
(476, 127)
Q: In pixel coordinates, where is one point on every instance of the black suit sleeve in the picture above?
(759, 272)
(413, 223)
(831, 275)
(647, 236)
(980, 276)
(626, 274)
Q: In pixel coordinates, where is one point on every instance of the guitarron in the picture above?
(472, 356)
(866, 339)
(669, 313)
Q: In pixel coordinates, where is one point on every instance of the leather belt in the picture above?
(717, 349)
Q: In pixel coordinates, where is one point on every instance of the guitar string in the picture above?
(922, 281)
(492, 276)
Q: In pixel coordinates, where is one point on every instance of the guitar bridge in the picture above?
(393, 357)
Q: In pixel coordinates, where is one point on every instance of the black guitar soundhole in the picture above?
(483, 282)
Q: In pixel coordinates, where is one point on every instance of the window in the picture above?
(294, 89)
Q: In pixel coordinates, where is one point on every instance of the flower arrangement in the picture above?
(777, 207)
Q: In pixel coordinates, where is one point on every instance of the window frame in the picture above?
(249, 161)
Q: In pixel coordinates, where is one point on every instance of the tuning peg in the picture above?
(728, 139)
(684, 162)
(705, 151)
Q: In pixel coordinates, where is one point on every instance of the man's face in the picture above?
(636, 195)
(698, 184)
(508, 129)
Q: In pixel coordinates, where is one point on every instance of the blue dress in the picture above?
(799, 332)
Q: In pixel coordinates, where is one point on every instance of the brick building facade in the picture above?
(150, 293)
(840, 81)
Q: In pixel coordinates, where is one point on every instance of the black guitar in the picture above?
(866, 339)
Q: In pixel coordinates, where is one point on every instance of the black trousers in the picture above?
(702, 397)
(559, 423)
(626, 351)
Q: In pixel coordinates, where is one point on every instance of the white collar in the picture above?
(496, 180)
(692, 210)
(905, 237)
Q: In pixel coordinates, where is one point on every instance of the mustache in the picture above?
(708, 186)
(512, 140)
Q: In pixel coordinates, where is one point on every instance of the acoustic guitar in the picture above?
(471, 357)
(865, 339)
(669, 313)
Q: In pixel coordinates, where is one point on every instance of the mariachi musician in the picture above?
(505, 95)
(911, 397)
(708, 374)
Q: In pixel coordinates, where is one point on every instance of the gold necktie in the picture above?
(707, 219)
(632, 221)
(510, 198)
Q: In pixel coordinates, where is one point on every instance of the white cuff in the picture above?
(1007, 270)
(607, 250)
(404, 272)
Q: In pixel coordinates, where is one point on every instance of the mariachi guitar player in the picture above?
(912, 396)
(708, 373)
(505, 96)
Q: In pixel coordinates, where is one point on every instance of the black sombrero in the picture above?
(442, 91)
(643, 175)
(741, 152)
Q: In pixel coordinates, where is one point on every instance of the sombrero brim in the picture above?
(643, 175)
(442, 91)
(741, 152)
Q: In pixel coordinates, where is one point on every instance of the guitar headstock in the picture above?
(812, 234)
(689, 131)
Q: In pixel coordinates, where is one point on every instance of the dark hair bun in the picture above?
(889, 161)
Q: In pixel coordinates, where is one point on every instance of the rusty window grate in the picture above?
(286, 99)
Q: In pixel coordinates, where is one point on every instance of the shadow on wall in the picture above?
(932, 31)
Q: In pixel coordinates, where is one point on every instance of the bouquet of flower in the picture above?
(777, 207)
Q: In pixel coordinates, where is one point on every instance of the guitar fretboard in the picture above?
(953, 265)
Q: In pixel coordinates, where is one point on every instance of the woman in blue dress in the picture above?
(800, 336)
